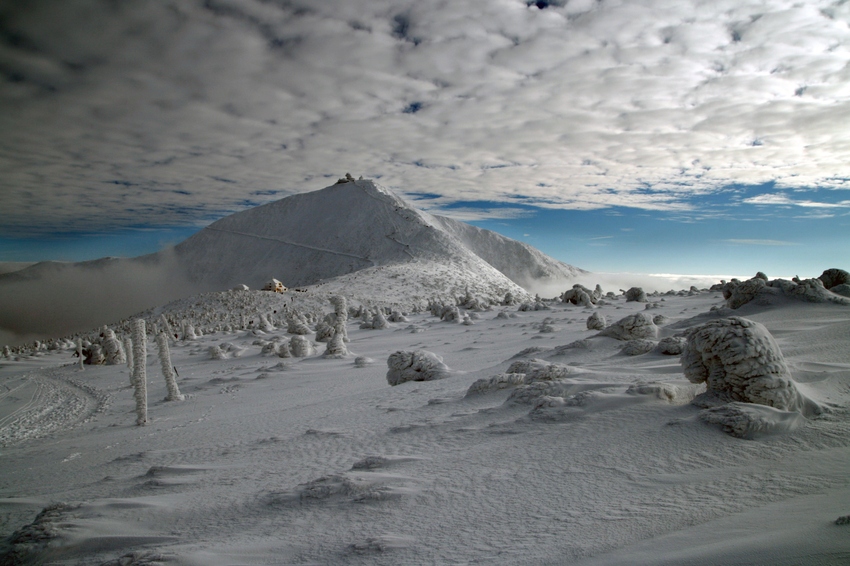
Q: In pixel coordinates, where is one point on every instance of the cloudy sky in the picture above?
(677, 136)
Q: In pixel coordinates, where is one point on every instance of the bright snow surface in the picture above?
(314, 460)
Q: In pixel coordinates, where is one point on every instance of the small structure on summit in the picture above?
(275, 286)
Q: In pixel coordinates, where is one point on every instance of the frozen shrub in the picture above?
(833, 277)
(581, 295)
(324, 331)
(265, 324)
(451, 314)
(301, 347)
(535, 306)
(189, 331)
(761, 275)
(416, 365)
(509, 299)
(269, 349)
(397, 316)
(283, 350)
(637, 347)
(596, 321)
(672, 345)
(739, 360)
(336, 347)
(94, 354)
(495, 383)
(379, 321)
(114, 348)
(745, 292)
(217, 353)
(296, 324)
(636, 294)
(538, 370)
(362, 361)
(634, 327)
(813, 291)
(340, 318)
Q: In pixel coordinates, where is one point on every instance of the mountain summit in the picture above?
(354, 238)
(349, 227)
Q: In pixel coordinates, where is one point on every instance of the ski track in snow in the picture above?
(311, 461)
(295, 244)
(53, 403)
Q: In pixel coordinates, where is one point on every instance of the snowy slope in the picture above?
(340, 231)
(319, 460)
(347, 227)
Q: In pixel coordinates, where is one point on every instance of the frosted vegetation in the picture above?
(360, 422)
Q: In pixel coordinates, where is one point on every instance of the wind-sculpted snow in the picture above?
(739, 360)
(417, 365)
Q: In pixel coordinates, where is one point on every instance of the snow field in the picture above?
(320, 460)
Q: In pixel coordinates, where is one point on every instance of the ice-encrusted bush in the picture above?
(596, 321)
(833, 277)
(283, 350)
(297, 324)
(633, 327)
(418, 365)
(637, 347)
(636, 294)
(672, 345)
(579, 295)
(115, 353)
(397, 316)
(324, 331)
(379, 321)
(739, 360)
(451, 314)
(340, 318)
(739, 293)
(495, 383)
(216, 353)
(539, 370)
(535, 306)
(336, 347)
(744, 292)
(301, 347)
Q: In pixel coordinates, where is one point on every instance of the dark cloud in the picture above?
(181, 111)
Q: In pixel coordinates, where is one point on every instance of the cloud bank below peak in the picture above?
(179, 112)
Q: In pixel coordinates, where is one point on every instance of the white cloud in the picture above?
(777, 199)
(750, 242)
(117, 111)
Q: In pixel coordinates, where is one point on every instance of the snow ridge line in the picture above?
(282, 241)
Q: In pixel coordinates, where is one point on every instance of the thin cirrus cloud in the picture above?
(178, 112)
(751, 242)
